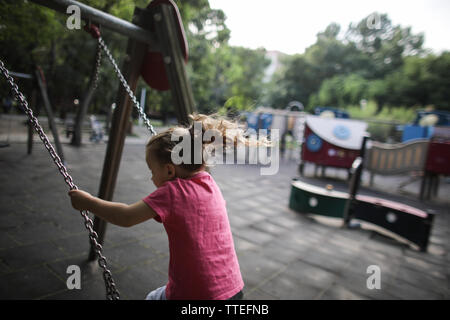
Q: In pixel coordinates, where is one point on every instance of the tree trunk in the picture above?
(85, 102)
(380, 105)
(81, 114)
(48, 110)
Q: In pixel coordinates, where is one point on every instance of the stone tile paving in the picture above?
(282, 254)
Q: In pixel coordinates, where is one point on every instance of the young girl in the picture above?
(203, 262)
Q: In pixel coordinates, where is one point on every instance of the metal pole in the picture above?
(21, 75)
(32, 106)
(355, 182)
(106, 20)
(142, 103)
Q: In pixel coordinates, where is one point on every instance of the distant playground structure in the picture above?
(332, 139)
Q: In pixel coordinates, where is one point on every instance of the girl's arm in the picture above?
(120, 214)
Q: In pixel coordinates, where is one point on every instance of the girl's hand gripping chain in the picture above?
(81, 200)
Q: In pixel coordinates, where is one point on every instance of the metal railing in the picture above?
(106, 20)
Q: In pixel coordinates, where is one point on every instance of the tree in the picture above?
(246, 90)
(378, 90)
(384, 43)
(297, 80)
(421, 81)
(207, 36)
(330, 92)
(375, 60)
(21, 47)
(303, 74)
(72, 52)
(221, 76)
(439, 80)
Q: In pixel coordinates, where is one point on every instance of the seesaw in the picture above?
(401, 222)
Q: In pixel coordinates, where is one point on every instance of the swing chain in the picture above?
(127, 87)
(111, 291)
(98, 60)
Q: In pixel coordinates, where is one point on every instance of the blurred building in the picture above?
(275, 63)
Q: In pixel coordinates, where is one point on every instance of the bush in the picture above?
(383, 126)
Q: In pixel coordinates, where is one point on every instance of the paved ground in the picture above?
(282, 254)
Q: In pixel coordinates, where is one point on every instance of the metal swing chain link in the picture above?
(98, 60)
(111, 292)
(127, 87)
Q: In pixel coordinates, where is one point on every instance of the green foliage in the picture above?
(384, 43)
(341, 90)
(21, 46)
(223, 78)
(295, 81)
(375, 61)
(385, 65)
(219, 73)
(396, 114)
(382, 126)
(421, 81)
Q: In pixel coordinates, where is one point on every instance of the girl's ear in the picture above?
(170, 169)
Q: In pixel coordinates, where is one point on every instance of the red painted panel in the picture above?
(438, 158)
(328, 155)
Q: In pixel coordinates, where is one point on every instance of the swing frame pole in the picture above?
(40, 85)
(140, 39)
(104, 19)
(32, 106)
(179, 86)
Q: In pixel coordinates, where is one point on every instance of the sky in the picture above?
(290, 26)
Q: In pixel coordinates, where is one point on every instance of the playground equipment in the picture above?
(398, 221)
(289, 122)
(424, 124)
(40, 85)
(428, 158)
(401, 158)
(389, 159)
(334, 112)
(295, 106)
(437, 162)
(331, 142)
(156, 28)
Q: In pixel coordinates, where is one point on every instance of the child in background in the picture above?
(203, 263)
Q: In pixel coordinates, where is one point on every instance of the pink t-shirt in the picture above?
(203, 263)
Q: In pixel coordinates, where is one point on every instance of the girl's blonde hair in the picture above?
(232, 135)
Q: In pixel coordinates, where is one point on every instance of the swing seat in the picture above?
(153, 70)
